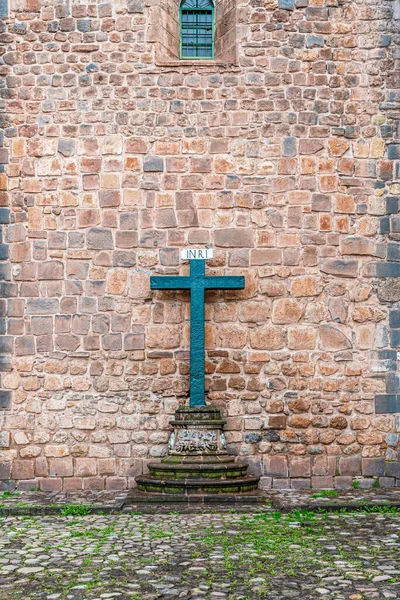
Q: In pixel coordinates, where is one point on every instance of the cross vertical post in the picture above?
(197, 336)
(197, 283)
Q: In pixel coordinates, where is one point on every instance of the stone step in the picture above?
(231, 470)
(189, 459)
(146, 483)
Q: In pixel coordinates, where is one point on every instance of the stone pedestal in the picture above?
(198, 462)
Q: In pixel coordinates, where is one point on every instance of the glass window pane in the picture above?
(197, 29)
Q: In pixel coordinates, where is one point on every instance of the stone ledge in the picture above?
(42, 503)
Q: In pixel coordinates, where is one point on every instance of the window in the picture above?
(197, 29)
(193, 33)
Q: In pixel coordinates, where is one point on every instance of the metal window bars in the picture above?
(197, 29)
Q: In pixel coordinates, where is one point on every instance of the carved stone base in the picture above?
(198, 462)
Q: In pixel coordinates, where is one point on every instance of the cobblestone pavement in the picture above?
(208, 555)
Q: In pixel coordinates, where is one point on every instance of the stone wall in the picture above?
(283, 159)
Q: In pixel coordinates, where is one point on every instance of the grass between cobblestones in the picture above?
(209, 555)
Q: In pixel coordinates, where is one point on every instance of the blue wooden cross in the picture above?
(197, 283)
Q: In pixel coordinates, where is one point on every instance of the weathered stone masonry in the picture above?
(283, 155)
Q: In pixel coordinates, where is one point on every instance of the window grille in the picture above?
(197, 29)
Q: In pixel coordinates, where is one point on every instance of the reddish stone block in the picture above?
(323, 465)
(387, 482)
(299, 466)
(109, 198)
(373, 466)
(93, 483)
(50, 484)
(91, 182)
(277, 422)
(90, 165)
(280, 484)
(85, 467)
(343, 482)
(5, 470)
(72, 484)
(116, 483)
(41, 467)
(61, 467)
(324, 482)
(107, 466)
(350, 465)
(300, 484)
(27, 485)
(22, 469)
(275, 466)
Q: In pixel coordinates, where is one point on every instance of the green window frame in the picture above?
(196, 25)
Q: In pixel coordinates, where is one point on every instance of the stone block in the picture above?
(85, 467)
(275, 466)
(340, 267)
(394, 320)
(299, 466)
(382, 269)
(387, 403)
(395, 338)
(42, 306)
(111, 341)
(153, 164)
(169, 257)
(281, 483)
(315, 41)
(4, 10)
(392, 439)
(8, 290)
(134, 341)
(322, 482)
(123, 258)
(99, 239)
(234, 238)
(135, 6)
(24, 345)
(392, 469)
(393, 383)
(300, 484)
(61, 467)
(5, 471)
(393, 151)
(93, 483)
(349, 465)
(6, 344)
(266, 338)
(373, 467)
(302, 338)
(289, 144)
(22, 469)
(115, 483)
(393, 251)
(343, 482)
(4, 216)
(387, 482)
(265, 483)
(72, 484)
(51, 270)
(53, 484)
(333, 339)
(5, 399)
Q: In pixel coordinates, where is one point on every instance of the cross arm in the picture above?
(229, 282)
(167, 282)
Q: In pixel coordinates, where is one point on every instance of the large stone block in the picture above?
(99, 239)
(233, 238)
